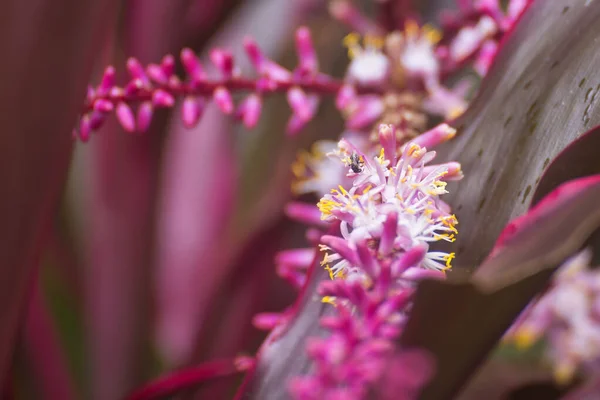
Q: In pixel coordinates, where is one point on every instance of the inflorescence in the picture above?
(376, 183)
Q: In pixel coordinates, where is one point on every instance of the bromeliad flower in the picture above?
(566, 316)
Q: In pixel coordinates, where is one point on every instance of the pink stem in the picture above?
(175, 382)
(207, 88)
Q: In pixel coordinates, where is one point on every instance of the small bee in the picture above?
(356, 163)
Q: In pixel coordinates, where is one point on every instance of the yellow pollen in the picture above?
(455, 112)
(448, 260)
(381, 155)
(328, 269)
(326, 206)
(340, 275)
(351, 42)
(524, 337)
(445, 236)
(412, 148)
(373, 41)
(432, 34)
(563, 373)
(328, 299)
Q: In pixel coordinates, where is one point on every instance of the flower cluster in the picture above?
(158, 86)
(388, 218)
(392, 78)
(567, 316)
(391, 212)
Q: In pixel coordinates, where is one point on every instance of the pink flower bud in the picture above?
(103, 105)
(266, 321)
(144, 116)
(306, 51)
(192, 65)
(223, 60)
(192, 110)
(156, 73)
(84, 128)
(125, 117)
(136, 70)
(250, 110)
(223, 100)
(161, 98)
(346, 95)
(168, 65)
(96, 119)
(108, 80)
(299, 103)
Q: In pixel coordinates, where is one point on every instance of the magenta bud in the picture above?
(168, 65)
(223, 99)
(108, 79)
(299, 103)
(136, 70)
(266, 321)
(306, 51)
(191, 111)
(192, 65)
(133, 87)
(251, 107)
(144, 116)
(116, 92)
(89, 96)
(125, 117)
(96, 119)
(161, 98)
(174, 82)
(254, 54)
(156, 73)
(103, 105)
(223, 60)
(84, 128)
(345, 96)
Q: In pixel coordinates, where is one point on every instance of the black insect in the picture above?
(356, 163)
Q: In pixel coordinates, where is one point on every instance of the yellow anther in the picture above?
(351, 42)
(455, 112)
(351, 39)
(432, 34)
(524, 337)
(340, 274)
(564, 372)
(381, 156)
(413, 147)
(373, 41)
(328, 299)
(448, 260)
(328, 269)
(326, 206)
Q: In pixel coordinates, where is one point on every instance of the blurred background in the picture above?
(164, 247)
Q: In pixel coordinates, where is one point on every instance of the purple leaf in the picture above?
(47, 48)
(540, 94)
(459, 323)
